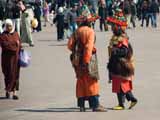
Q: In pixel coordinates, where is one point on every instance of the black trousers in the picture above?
(129, 96)
(39, 27)
(133, 19)
(103, 25)
(144, 18)
(60, 32)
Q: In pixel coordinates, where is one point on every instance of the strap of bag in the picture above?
(78, 46)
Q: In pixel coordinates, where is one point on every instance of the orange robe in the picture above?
(86, 86)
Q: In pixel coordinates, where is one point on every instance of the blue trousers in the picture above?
(153, 18)
(93, 101)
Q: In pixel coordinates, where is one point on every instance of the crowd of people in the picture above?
(66, 12)
(141, 10)
(75, 20)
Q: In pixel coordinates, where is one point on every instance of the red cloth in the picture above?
(123, 42)
(119, 83)
(116, 21)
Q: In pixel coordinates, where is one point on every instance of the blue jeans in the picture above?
(154, 20)
(73, 27)
(144, 17)
(93, 101)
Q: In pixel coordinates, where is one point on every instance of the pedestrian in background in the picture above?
(72, 16)
(153, 11)
(46, 13)
(92, 13)
(10, 43)
(37, 15)
(133, 13)
(12, 11)
(102, 12)
(59, 21)
(67, 30)
(2, 13)
(60, 3)
(127, 12)
(17, 15)
(26, 35)
(94, 4)
(144, 12)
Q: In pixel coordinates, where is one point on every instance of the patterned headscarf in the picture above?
(118, 19)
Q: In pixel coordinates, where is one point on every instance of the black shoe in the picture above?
(15, 97)
(132, 104)
(31, 45)
(7, 95)
(82, 109)
(59, 40)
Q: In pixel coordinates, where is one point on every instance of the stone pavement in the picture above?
(47, 87)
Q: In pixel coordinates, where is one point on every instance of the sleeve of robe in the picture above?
(89, 46)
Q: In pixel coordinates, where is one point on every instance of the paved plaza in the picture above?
(47, 86)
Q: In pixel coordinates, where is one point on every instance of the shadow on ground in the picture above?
(50, 110)
(3, 98)
(72, 109)
(46, 40)
(59, 45)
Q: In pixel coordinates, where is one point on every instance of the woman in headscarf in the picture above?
(10, 44)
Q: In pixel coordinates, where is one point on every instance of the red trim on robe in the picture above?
(119, 83)
(123, 42)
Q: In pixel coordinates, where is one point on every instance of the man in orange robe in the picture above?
(87, 88)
